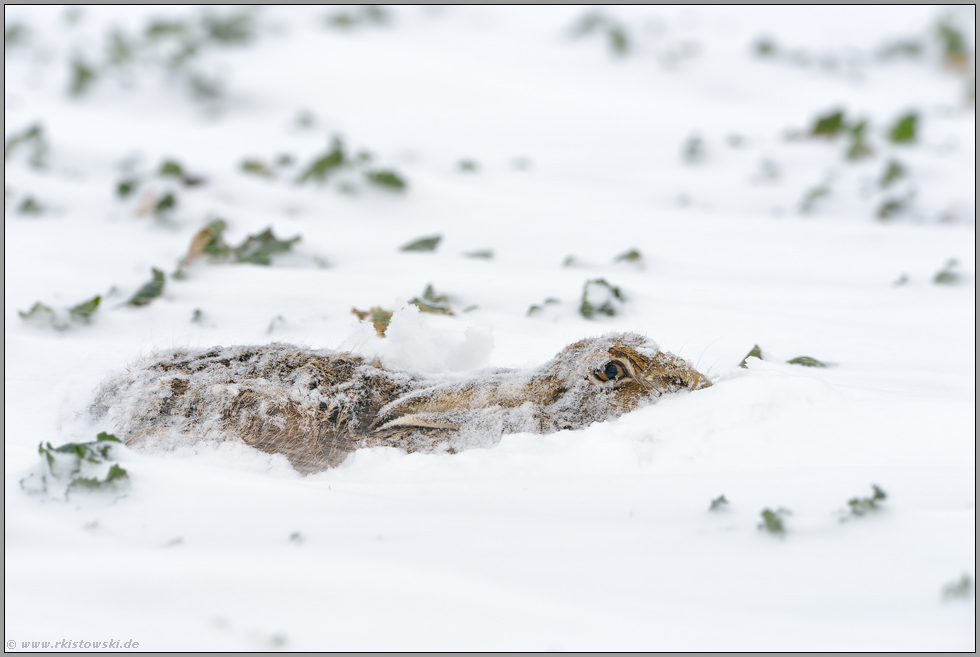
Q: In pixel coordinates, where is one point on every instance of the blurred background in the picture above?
(453, 188)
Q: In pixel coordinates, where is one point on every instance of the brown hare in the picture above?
(315, 407)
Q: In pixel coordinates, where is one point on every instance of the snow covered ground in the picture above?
(682, 133)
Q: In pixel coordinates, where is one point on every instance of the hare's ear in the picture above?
(418, 420)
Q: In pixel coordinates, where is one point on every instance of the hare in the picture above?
(315, 407)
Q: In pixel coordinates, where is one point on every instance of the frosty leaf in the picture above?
(718, 504)
(904, 130)
(258, 249)
(469, 166)
(208, 240)
(430, 302)
(81, 465)
(956, 55)
(256, 167)
(632, 255)
(828, 125)
(485, 254)
(599, 297)
(164, 28)
(30, 206)
(693, 149)
(960, 589)
(772, 521)
(379, 317)
(891, 207)
(165, 204)
(126, 186)
(765, 47)
(84, 310)
(171, 168)
(813, 195)
(893, 171)
(536, 308)
(860, 506)
(82, 76)
(387, 179)
(947, 275)
(198, 316)
(33, 135)
(150, 290)
(235, 27)
(14, 35)
(806, 361)
(755, 352)
(38, 312)
(423, 244)
(859, 148)
(323, 166)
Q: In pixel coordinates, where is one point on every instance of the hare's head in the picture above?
(592, 380)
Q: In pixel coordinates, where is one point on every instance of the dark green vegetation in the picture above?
(537, 308)
(337, 160)
(256, 249)
(600, 297)
(31, 137)
(430, 302)
(718, 504)
(423, 244)
(80, 465)
(860, 506)
(805, 361)
(612, 30)
(772, 521)
(948, 274)
(78, 314)
(150, 290)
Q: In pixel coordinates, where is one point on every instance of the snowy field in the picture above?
(708, 141)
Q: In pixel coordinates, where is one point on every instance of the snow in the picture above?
(598, 539)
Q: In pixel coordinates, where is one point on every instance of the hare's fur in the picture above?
(315, 407)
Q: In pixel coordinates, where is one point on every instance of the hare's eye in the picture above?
(613, 371)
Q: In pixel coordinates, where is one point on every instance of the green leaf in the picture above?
(828, 125)
(150, 290)
(82, 77)
(948, 274)
(469, 166)
(107, 436)
(423, 244)
(486, 254)
(891, 207)
(171, 168)
(126, 187)
(165, 204)
(34, 135)
(387, 179)
(904, 130)
(233, 28)
(430, 302)
(772, 521)
(38, 311)
(256, 167)
(960, 589)
(536, 308)
(806, 361)
(30, 206)
(755, 352)
(379, 317)
(84, 310)
(860, 506)
(893, 171)
(326, 164)
(718, 503)
(632, 255)
(258, 249)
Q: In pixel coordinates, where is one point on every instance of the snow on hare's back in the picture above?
(315, 407)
